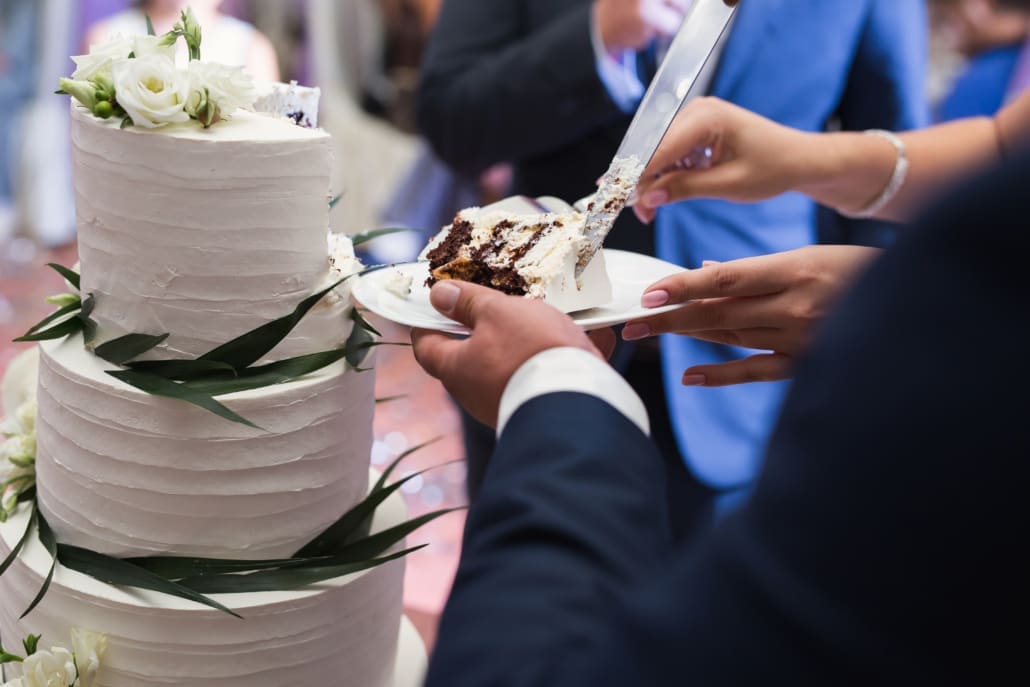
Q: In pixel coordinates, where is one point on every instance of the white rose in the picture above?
(89, 648)
(19, 447)
(218, 90)
(19, 382)
(26, 417)
(100, 58)
(16, 682)
(54, 668)
(151, 90)
(143, 46)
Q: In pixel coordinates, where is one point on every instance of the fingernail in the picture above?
(444, 297)
(653, 199)
(655, 299)
(636, 331)
(694, 380)
(709, 263)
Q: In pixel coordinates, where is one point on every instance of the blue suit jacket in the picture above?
(981, 88)
(882, 545)
(804, 63)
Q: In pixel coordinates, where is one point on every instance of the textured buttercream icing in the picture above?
(126, 473)
(204, 233)
(521, 254)
(341, 633)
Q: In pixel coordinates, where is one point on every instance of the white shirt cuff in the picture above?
(571, 370)
(617, 73)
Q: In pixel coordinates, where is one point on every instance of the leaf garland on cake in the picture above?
(20, 544)
(71, 276)
(49, 542)
(116, 571)
(123, 349)
(78, 313)
(160, 386)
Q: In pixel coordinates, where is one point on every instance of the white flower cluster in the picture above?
(60, 667)
(17, 457)
(137, 79)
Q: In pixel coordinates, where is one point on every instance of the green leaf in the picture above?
(334, 537)
(280, 580)
(47, 539)
(123, 349)
(150, 25)
(248, 348)
(335, 201)
(13, 556)
(70, 276)
(273, 373)
(366, 236)
(65, 310)
(375, 544)
(358, 344)
(126, 123)
(182, 369)
(159, 386)
(58, 331)
(9, 658)
(360, 321)
(31, 643)
(177, 568)
(89, 327)
(119, 572)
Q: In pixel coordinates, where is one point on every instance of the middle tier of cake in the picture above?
(125, 473)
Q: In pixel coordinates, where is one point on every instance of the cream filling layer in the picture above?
(130, 474)
(342, 632)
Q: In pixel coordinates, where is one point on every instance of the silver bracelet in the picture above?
(897, 179)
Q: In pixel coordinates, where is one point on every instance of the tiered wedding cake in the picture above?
(203, 234)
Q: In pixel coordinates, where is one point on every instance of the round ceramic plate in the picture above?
(630, 274)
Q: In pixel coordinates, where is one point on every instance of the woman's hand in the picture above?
(752, 158)
(772, 303)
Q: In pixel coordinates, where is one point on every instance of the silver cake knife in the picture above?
(688, 54)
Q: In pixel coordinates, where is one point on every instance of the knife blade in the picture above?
(684, 62)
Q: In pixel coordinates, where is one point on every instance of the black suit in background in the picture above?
(884, 542)
(516, 81)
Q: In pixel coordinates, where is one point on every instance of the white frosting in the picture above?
(549, 266)
(342, 632)
(204, 233)
(291, 101)
(617, 186)
(126, 473)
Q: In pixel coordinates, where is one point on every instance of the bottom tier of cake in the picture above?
(342, 633)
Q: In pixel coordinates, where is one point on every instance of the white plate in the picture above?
(630, 274)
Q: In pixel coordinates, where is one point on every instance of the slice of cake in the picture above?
(521, 254)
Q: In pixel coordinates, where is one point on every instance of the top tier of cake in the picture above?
(204, 234)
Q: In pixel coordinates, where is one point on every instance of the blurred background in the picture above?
(365, 56)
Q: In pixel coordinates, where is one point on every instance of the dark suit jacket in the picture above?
(884, 542)
(516, 81)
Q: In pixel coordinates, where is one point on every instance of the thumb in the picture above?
(461, 301)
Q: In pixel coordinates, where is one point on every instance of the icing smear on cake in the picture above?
(532, 255)
(616, 188)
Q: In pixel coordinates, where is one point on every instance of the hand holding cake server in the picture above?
(773, 302)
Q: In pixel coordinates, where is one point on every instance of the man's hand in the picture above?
(506, 332)
(632, 24)
(772, 302)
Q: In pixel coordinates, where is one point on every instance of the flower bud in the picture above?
(83, 91)
(63, 299)
(103, 109)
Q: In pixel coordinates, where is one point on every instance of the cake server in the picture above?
(688, 54)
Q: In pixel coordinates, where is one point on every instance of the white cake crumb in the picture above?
(398, 283)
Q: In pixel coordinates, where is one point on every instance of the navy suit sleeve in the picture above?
(883, 541)
(886, 90)
(495, 89)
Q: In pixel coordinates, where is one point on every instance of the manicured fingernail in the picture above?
(444, 297)
(656, 198)
(655, 299)
(709, 263)
(694, 380)
(636, 331)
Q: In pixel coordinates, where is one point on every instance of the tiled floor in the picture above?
(423, 412)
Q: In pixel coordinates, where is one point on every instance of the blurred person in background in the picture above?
(226, 39)
(991, 35)
(552, 87)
